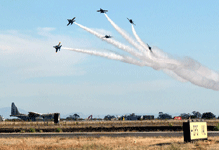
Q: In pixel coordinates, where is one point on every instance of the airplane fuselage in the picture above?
(149, 48)
(33, 116)
(71, 21)
(102, 11)
(107, 36)
(130, 20)
(58, 47)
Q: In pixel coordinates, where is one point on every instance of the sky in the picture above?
(36, 78)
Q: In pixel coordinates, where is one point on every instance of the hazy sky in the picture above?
(37, 79)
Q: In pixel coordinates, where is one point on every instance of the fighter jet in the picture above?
(107, 36)
(130, 20)
(71, 21)
(149, 48)
(58, 47)
(102, 11)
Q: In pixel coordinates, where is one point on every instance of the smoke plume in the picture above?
(184, 69)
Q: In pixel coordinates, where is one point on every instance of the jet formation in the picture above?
(102, 11)
(71, 21)
(58, 47)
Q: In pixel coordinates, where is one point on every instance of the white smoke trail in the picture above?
(108, 55)
(102, 54)
(111, 41)
(125, 35)
(139, 40)
(197, 79)
(185, 69)
(188, 69)
(131, 41)
(153, 56)
(174, 75)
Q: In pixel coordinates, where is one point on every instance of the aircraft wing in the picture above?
(33, 114)
(47, 115)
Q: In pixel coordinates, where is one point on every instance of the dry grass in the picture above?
(211, 122)
(102, 143)
(72, 126)
(23, 125)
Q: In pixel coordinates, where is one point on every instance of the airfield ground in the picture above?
(100, 126)
(25, 143)
(106, 143)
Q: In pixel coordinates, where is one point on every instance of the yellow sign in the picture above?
(198, 130)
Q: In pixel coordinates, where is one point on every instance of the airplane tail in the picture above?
(14, 110)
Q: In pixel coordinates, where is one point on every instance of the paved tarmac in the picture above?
(99, 134)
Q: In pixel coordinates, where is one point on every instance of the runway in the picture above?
(100, 134)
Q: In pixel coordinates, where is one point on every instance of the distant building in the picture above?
(177, 118)
(132, 117)
(109, 117)
(148, 117)
(164, 116)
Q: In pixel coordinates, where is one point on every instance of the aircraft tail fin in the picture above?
(14, 110)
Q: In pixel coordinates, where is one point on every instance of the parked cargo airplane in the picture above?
(33, 116)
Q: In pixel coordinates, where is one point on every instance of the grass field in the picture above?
(212, 122)
(99, 126)
(106, 143)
